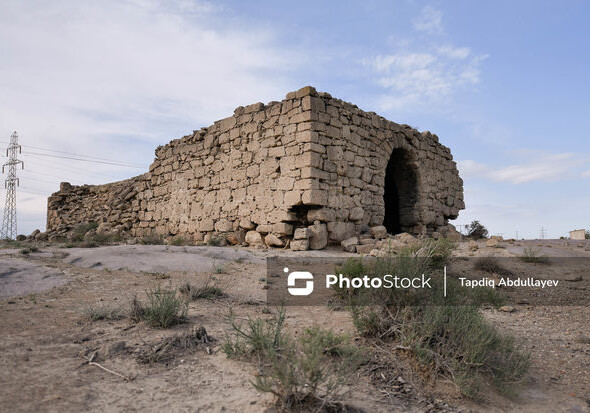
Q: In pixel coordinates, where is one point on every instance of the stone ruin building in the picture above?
(307, 171)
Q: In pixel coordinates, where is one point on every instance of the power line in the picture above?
(76, 156)
(9, 230)
(127, 165)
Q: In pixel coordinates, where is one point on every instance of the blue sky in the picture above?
(504, 84)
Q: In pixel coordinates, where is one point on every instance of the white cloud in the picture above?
(429, 21)
(586, 173)
(417, 75)
(423, 78)
(546, 168)
(454, 52)
(113, 79)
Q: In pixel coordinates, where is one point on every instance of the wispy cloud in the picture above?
(113, 79)
(546, 168)
(415, 75)
(429, 21)
(586, 173)
(424, 78)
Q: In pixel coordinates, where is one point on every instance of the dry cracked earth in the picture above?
(53, 358)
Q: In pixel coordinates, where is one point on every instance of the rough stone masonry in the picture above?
(306, 171)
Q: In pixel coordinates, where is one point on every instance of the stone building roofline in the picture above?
(299, 94)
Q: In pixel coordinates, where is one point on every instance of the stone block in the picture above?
(282, 228)
(339, 231)
(254, 238)
(349, 244)
(379, 232)
(300, 244)
(321, 214)
(247, 224)
(364, 249)
(223, 226)
(302, 233)
(319, 236)
(272, 240)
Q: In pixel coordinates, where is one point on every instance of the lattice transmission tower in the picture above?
(9, 220)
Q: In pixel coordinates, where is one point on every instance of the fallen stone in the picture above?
(273, 241)
(254, 238)
(405, 238)
(300, 244)
(364, 249)
(507, 309)
(319, 236)
(367, 241)
(379, 232)
(302, 233)
(350, 244)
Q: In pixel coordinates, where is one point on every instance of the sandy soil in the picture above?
(46, 339)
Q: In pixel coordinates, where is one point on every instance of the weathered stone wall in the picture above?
(109, 205)
(352, 150)
(270, 169)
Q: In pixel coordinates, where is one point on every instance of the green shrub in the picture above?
(305, 373)
(476, 230)
(533, 255)
(206, 291)
(80, 230)
(179, 241)
(353, 267)
(457, 341)
(102, 311)
(163, 309)
(448, 334)
(151, 239)
(491, 265)
(257, 338)
(215, 240)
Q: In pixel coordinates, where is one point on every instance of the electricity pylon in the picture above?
(9, 220)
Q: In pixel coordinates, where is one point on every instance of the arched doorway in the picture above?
(400, 192)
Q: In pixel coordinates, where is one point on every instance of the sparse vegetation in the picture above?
(304, 373)
(10, 243)
(205, 291)
(151, 239)
(171, 347)
(159, 275)
(103, 311)
(80, 231)
(353, 267)
(476, 230)
(218, 268)
(491, 265)
(215, 240)
(587, 234)
(179, 241)
(533, 255)
(163, 309)
(448, 335)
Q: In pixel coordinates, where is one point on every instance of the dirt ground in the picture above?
(46, 340)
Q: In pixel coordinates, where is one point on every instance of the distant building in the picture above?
(578, 234)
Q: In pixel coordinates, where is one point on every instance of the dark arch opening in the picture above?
(400, 192)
